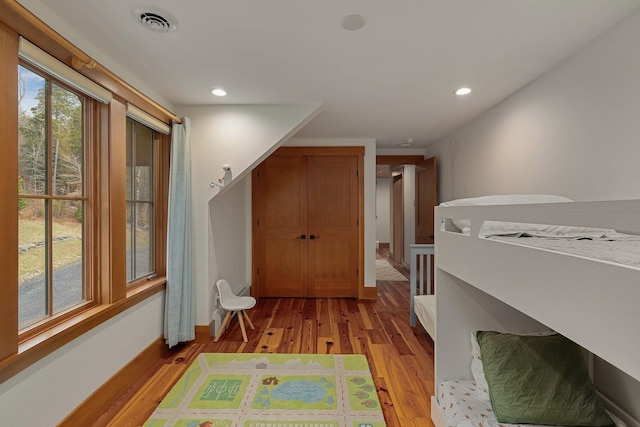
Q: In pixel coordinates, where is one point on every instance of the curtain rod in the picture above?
(22, 20)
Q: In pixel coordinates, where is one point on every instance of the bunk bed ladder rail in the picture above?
(419, 252)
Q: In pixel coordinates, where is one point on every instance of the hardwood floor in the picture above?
(400, 358)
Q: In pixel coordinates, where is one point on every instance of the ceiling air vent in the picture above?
(154, 19)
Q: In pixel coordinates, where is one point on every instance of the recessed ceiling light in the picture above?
(352, 22)
(219, 92)
(463, 91)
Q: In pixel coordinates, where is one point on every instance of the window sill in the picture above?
(41, 345)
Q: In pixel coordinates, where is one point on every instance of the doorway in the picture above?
(411, 202)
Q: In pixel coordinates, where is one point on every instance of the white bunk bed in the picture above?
(422, 300)
(494, 285)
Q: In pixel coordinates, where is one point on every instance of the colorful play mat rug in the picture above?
(272, 390)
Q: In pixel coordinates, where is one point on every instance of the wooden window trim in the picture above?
(48, 341)
(111, 294)
(8, 189)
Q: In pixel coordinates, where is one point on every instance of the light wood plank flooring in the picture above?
(401, 358)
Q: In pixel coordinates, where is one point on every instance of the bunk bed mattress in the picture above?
(425, 308)
(619, 249)
(461, 407)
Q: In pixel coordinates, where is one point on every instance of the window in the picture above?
(52, 233)
(141, 176)
(64, 205)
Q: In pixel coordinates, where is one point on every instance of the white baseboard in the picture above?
(218, 314)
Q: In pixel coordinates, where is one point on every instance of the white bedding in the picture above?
(425, 307)
(461, 407)
(613, 247)
(594, 243)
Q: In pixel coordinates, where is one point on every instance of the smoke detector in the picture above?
(407, 143)
(353, 22)
(154, 19)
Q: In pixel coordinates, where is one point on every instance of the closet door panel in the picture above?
(331, 269)
(332, 215)
(426, 199)
(282, 264)
(283, 273)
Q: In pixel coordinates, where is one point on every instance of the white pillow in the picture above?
(477, 370)
(509, 199)
(497, 228)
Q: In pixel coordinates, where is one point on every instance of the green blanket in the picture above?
(539, 380)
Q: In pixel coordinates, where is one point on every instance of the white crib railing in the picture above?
(419, 252)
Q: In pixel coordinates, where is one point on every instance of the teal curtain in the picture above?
(180, 316)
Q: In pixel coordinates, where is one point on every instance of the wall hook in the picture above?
(225, 179)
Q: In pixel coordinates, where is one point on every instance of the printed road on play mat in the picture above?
(272, 390)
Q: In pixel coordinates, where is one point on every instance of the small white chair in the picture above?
(233, 304)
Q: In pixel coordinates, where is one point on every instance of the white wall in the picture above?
(383, 210)
(369, 194)
(242, 136)
(572, 132)
(229, 234)
(47, 391)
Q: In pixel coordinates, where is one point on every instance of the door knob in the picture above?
(302, 236)
(312, 237)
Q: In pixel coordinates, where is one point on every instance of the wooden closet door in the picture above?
(282, 215)
(398, 219)
(332, 214)
(426, 199)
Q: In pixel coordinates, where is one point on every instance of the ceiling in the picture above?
(391, 80)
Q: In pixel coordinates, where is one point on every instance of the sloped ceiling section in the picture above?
(239, 135)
